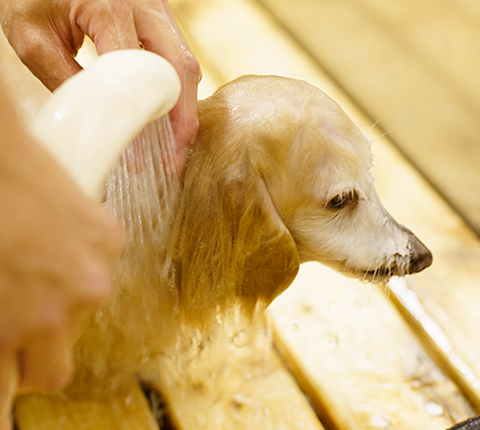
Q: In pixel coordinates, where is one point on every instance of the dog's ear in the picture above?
(231, 245)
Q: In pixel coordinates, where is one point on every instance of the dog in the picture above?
(279, 175)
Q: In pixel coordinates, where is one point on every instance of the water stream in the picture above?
(140, 332)
(139, 319)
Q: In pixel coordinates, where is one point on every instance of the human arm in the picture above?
(56, 247)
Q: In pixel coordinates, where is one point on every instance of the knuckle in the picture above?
(102, 15)
(191, 65)
(118, 11)
(29, 47)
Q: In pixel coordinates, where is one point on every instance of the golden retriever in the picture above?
(279, 175)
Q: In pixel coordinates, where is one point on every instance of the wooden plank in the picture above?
(439, 34)
(235, 383)
(435, 339)
(125, 409)
(365, 361)
(433, 119)
(448, 291)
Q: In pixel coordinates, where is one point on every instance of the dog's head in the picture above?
(280, 175)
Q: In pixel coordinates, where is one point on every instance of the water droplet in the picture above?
(294, 326)
(361, 302)
(240, 339)
(332, 340)
(379, 421)
(146, 354)
(239, 401)
(98, 316)
(434, 409)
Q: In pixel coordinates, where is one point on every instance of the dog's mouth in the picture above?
(399, 266)
(379, 274)
(382, 273)
(395, 265)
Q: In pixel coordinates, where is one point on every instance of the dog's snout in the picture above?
(421, 257)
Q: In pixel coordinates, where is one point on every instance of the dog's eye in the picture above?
(342, 200)
(338, 202)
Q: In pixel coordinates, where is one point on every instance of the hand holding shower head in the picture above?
(94, 115)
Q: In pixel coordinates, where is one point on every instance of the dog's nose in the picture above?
(421, 257)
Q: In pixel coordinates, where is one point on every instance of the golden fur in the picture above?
(270, 155)
(278, 175)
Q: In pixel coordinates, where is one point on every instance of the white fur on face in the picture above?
(360, 239)
(316, 164)
(329, 203)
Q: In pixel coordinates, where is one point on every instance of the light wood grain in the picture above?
(365, 362)
(449, 289)
(238, 384)
(125, 409)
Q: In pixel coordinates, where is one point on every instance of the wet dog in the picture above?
(280, 175)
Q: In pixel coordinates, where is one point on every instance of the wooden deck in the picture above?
(404, 356)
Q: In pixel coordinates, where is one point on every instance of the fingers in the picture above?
(159, 33)
(46, 56)
(47, 36)
(108, 23)
(152, 23)
(184, 121)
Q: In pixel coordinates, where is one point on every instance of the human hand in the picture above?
(56, 247)
(46, 34)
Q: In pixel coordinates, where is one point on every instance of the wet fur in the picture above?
(260, 194)
(270, 156)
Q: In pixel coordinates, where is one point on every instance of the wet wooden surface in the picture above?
(127, 409)
(370, 357)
